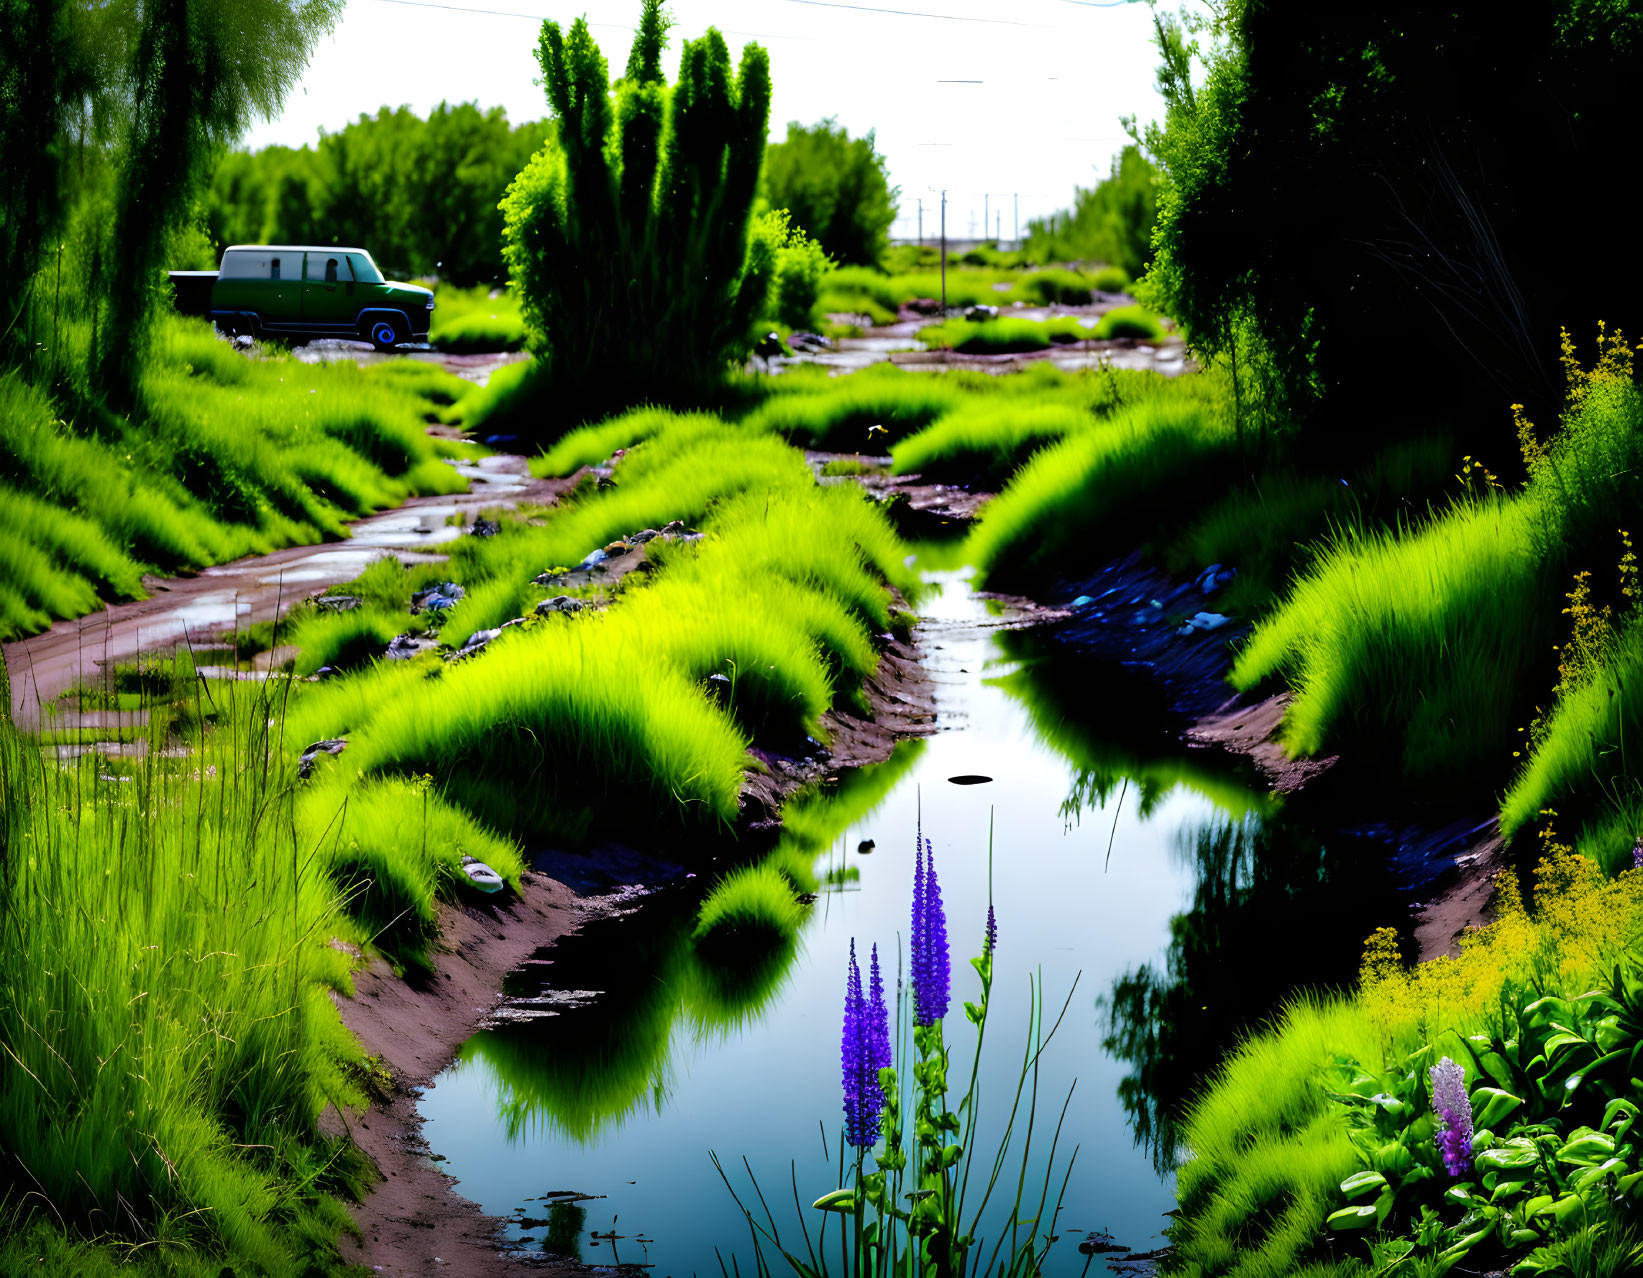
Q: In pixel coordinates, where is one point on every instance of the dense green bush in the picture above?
(627, 237)
(801, 264)
(421, 195)
(1336, 179)
(1110, 222)
(836, 187)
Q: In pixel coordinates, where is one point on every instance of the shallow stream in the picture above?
(1160, 880)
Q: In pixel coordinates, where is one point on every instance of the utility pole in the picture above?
(943, 250)
(921, 223)
(998, 226)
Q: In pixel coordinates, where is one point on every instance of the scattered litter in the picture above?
(474, 643)
(559, 603)
(1203, 621)
(438, 597)
(484, 528)
(333, 745)
(1213, 578)
(337, 603)
(481, 875)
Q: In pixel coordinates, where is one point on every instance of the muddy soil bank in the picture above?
(1129, 619)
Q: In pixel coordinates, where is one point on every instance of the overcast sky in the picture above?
(1006, 98)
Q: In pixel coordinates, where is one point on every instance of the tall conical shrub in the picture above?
(627, 236)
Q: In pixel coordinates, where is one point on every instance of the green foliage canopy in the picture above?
(420, 194)
(627, 237)
(1109, 222)
(836, 187)
(1338, 179)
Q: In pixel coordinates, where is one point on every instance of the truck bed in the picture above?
(191, 291)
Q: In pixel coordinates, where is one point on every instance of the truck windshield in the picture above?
(365, 270)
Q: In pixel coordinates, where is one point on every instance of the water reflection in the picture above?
(683, 1051)
(605, 1056)
(1276, 908)
(1116, 734)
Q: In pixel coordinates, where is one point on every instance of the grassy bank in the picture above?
(1007, 335)
(1312, 1149)
(861, 290)
(751, 630)
(476, 320)
(1433, 642)
(224, 456)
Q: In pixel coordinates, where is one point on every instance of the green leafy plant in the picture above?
(627, 237)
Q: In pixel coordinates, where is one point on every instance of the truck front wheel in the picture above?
(382, 333)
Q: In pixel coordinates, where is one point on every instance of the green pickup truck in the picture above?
(307, 291)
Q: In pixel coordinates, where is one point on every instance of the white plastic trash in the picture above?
(481, 876)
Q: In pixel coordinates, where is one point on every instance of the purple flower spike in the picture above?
(1454, 1110)
(932, 974)
(878, 1018)
(863, 1101)
(990, 942)
(1637, 855)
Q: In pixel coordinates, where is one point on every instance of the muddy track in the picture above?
(198, 608)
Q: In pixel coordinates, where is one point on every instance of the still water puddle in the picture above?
(1155, 878)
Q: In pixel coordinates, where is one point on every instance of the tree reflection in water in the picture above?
(600, 1059)
(1277, 909)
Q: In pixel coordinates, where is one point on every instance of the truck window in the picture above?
(328, 268)
(365, 270)
(254, 265)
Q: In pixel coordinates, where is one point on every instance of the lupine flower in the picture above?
(1637, 855)
(878, 1018)
(990, 941)
(1454, 1110)
(863, 1101)
(932, 973)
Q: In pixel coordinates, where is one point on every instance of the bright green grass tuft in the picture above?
(343, 639)
(1130, 321)
(987, 441)
(470, 320)
(1429, 643)
(1006, 335)
(840, 414)
(752, 907)
(554, 725)
(597, 442)
(1100, 481)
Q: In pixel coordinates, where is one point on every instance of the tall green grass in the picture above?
(1113, 478)
(166, 1014)
(752, 632)
(987, 441)
(1432, 643)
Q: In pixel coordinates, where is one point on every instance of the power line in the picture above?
(609, 26)
(913, 13)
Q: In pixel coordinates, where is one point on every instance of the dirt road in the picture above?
(201, 607)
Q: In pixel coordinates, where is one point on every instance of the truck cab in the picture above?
(309, 291)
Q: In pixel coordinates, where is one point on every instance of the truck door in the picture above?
(328, 292)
